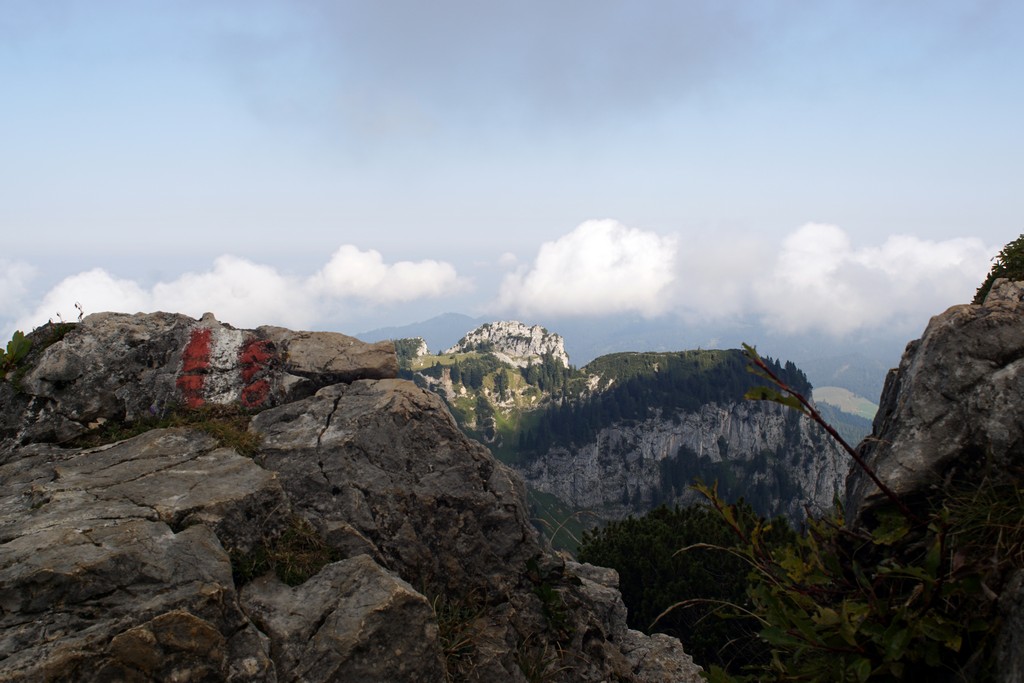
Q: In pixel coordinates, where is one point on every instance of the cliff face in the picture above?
(773, 457)
(363, 537)
(513, 343)
(951, 410)
(954, 401)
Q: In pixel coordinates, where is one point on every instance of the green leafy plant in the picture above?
(17, 348)
(900, 601)
(910, 596)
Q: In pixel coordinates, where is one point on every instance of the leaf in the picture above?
(862, 669)
(17, 348)
(933, 558)
(826, 617)
(897, 643)
(717, 674)
(892, 528)
(941, 630)
(779, 638)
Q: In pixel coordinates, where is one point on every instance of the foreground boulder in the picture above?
(362, 538)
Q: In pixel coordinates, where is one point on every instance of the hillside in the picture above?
(629, 431)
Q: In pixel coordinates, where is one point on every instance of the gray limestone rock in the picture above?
(110, 568)
(387, 458)
(128, 561)
(114, 367)
(953, 405)
(1010, 648)
(354, 621)
(622, 472)
(953, 402)
(514, 343)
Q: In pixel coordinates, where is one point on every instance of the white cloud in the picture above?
(237, 291)
(820, 281)
(815, 279)
(14, 279)
(96, 290)
(355, 273)
(715, 276)
(247, 294)
(600, 267)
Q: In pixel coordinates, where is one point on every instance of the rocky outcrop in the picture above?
(118, 367)
(513, 343)
(949, 411)
(954, 401)
(365, 539)
(776, 458)
(419, 347)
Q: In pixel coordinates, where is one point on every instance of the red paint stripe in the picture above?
(255, 394)
(195, 361)
(256, 358)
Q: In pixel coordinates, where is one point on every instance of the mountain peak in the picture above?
(513, 342)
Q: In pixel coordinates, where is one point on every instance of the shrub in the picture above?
(654, 574)
(1008, 264)
(909, 596)
(17, 348)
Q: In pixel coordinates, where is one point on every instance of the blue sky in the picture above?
(832, 166)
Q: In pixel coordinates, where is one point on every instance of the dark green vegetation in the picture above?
(562, 526)
(406, 350)
(551, 405)
(523, 413)
(904, 599)
(17, 348)
(1009, 263)
(635, 386)
(668, 555)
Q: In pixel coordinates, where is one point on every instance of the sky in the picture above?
(831, 167)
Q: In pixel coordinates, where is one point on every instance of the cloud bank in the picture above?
(14, 279)
(820, 281)
(601, 267)
(248, 294)
(815, 280)
(363, 274)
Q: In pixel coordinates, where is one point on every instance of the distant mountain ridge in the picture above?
(631, 430)
(513, 342)
(857, 363)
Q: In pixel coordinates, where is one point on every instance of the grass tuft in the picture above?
(229, 425)
(294, 555)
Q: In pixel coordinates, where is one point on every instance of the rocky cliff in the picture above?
(950, 417)
(513, 342)
(286, 510)
(953, 403)
(773, 457)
